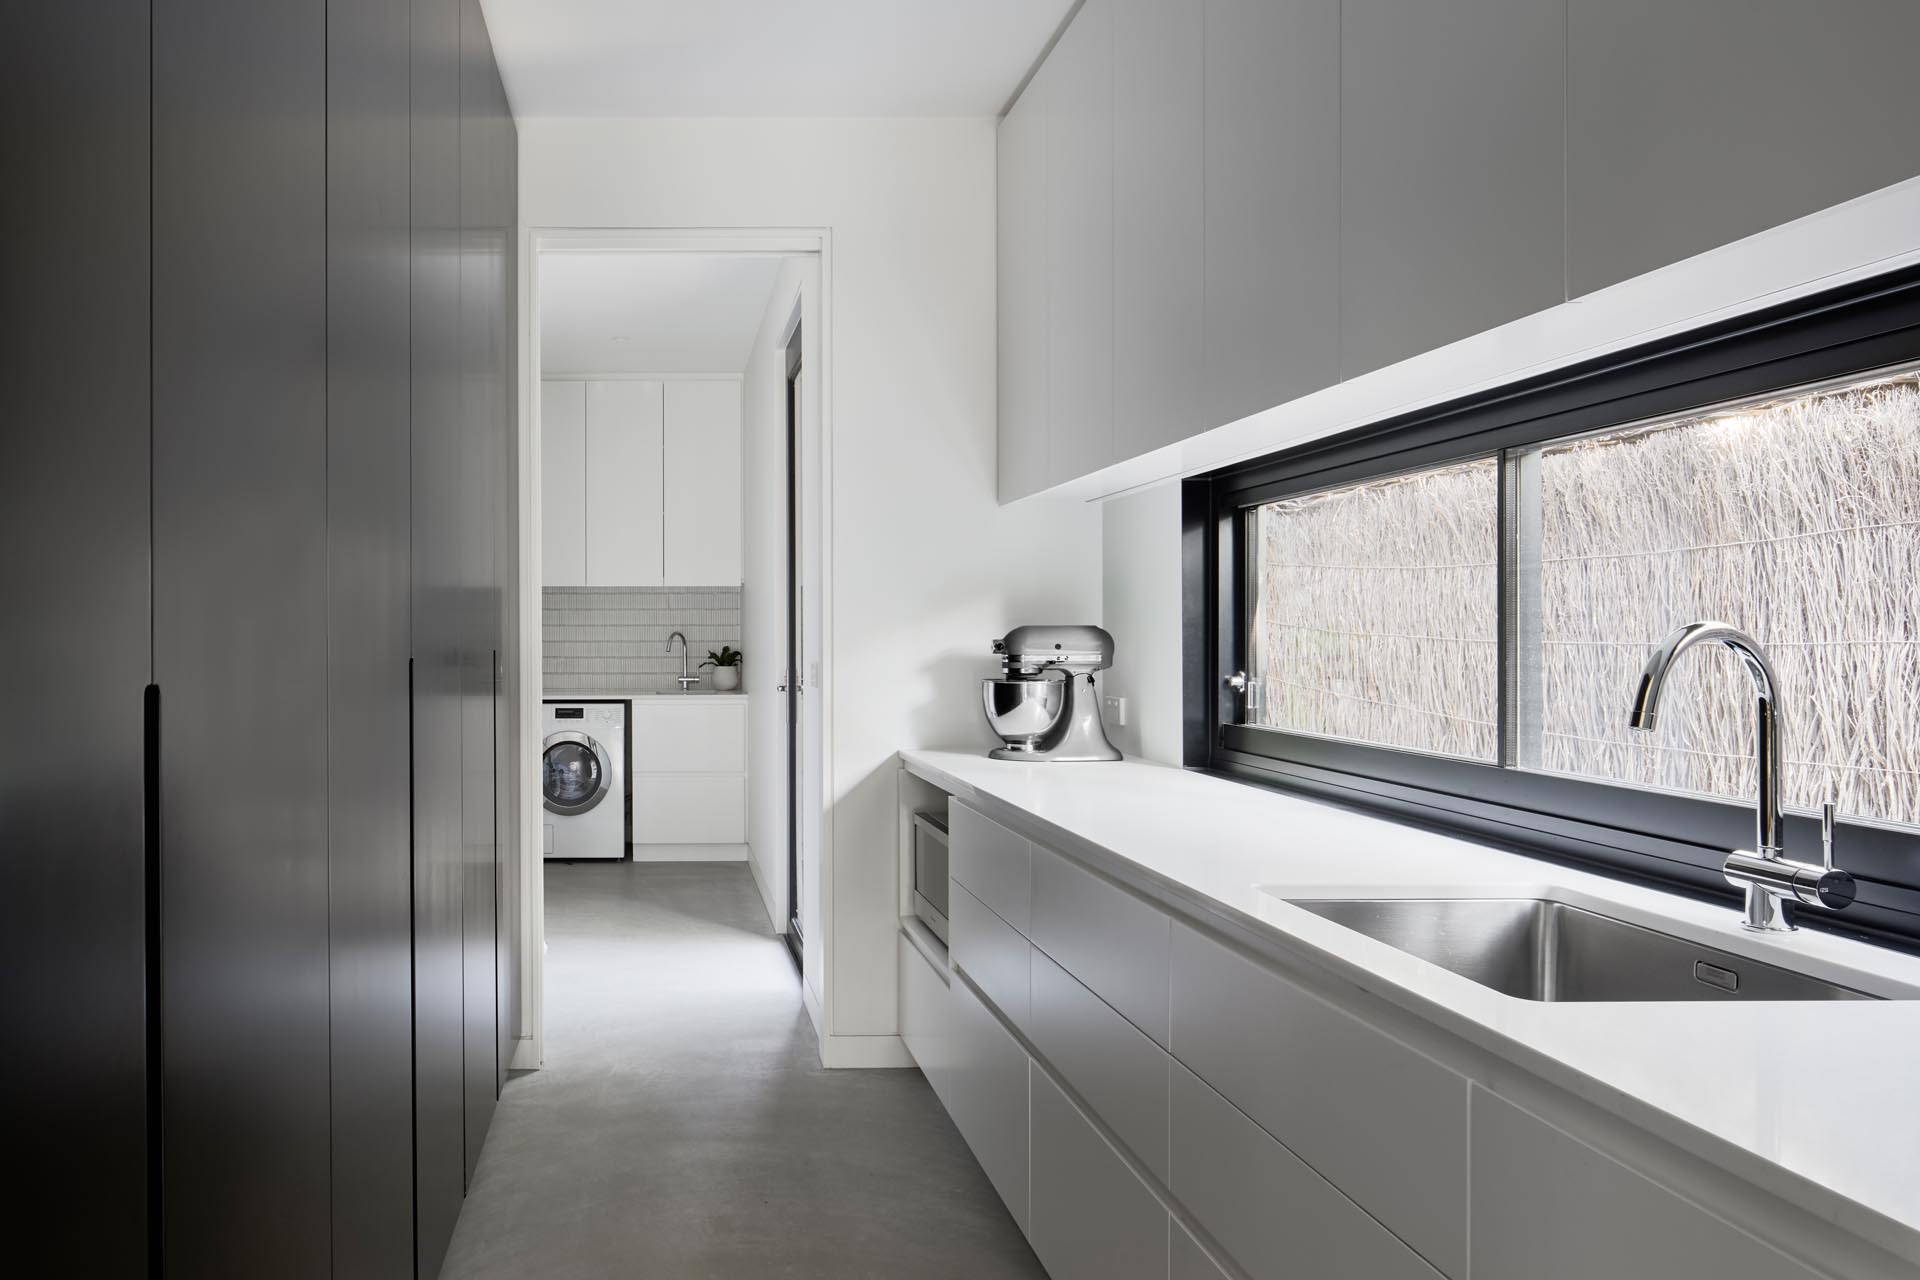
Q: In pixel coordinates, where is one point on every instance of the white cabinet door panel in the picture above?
(1159, 221)
(1121, 1074)
(1113, 942)
(1382, 1122)
(1272, 1213)
(694, 734)
(925, 1009)
(1272, 203)
(1092, 1218)
(1022, 268)
(988, 1097)
(690, 808)
(991, 952)
(563, 484)
(1079, 144)
(623, 484)
(992, 861)
(1545, 1201)
(703, 483)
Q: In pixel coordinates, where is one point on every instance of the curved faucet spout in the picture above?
(1646, 707)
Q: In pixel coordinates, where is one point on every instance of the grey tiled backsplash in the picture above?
(614, 639)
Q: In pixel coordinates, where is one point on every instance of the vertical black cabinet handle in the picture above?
(150, 786)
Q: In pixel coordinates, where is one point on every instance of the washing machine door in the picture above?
(575, 776)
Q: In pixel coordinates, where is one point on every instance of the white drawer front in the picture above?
(1120, 1073)
(1114, 943)
(925, 1010)
(1186, 1260)
(988, 1097)
(689, 735)
(1539, 1194)
(1274, 1215)
(990, 952)
(690, 809)
(1382, 1122)
(1092, 1219)
(990, 860)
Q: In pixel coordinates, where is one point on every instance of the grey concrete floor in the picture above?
(683, 1125)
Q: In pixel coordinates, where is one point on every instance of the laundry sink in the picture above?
(1538, 949)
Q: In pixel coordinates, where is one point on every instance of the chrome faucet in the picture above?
(685, 679)
(1773, 883)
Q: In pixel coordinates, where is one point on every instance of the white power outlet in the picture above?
(1116, 711)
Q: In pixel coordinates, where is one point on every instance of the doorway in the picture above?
(781, 588)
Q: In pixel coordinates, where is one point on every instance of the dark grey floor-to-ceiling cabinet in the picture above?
(257, 536)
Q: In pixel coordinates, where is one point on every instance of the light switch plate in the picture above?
(1116, 711)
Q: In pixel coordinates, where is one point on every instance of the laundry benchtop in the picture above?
(1739, 1084)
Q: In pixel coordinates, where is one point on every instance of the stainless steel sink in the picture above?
(1538, 949)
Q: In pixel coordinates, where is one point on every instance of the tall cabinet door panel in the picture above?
(624, 493)
(482, 390)
(1159, 221)
(1022, 265)
(702, 490)
(368, 638)
(1079, 212)
(240, 631)
(1272, 202)
(1692, 123)
(1452, 209)
(563, 484)
(74, 656)
(439, 1010)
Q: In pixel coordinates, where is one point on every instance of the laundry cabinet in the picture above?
(640, 482)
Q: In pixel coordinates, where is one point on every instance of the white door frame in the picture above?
(786, 242)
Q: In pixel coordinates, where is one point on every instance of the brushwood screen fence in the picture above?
(1375, 614)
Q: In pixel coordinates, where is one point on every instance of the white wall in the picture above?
(1140, 575)
(924, 567)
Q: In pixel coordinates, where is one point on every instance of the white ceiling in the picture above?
(679, 313)
(622, 58)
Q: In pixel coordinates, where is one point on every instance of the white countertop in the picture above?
(1818, 1101)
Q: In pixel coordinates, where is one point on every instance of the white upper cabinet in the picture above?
(1159, 218)
(703, 481)
(1692, 123)
(623, 484)
(640, 482)
(1079, 171)
(563, 475)
(1272, 239)
(1452, 182)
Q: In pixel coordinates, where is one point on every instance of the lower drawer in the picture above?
(1268, 1210)
(691, 808)
(1092, 1219)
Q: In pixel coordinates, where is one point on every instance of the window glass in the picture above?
(1375, 612)
(1796, 520)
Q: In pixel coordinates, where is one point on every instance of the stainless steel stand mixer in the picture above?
(1045, 704)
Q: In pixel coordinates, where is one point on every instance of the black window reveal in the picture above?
(1442, 616)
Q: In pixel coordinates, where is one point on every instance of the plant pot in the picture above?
(726, 679)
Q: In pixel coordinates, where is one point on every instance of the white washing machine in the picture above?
(584, 779)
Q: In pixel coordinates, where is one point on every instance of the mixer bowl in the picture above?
(1023, 711)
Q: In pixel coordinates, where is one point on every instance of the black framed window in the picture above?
(1443, 616)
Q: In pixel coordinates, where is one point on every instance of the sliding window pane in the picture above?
(1798, 521)
(1375, 612)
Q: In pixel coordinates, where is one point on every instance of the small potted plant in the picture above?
(726, 668)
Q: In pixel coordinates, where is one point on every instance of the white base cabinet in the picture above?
(1134, 1085)
(689, 770)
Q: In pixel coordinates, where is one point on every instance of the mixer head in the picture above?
(1031, 650)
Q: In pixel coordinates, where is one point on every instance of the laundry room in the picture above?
(669, 383)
